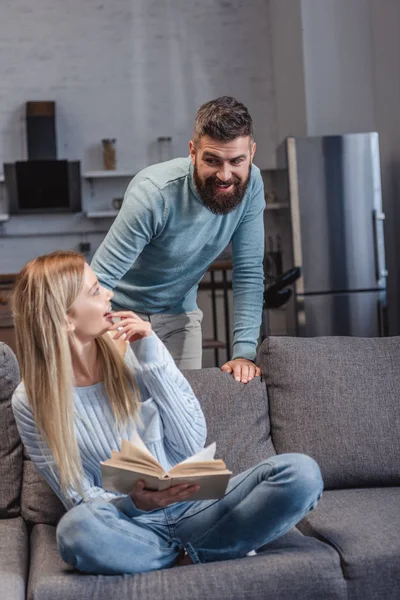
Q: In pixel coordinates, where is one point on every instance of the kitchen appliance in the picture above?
(36, 186)
(42, 184)
(41, 130)
(337, 234)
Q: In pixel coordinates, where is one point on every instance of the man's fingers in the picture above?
(258, 372)
(252, 372)
(245, 374)
(226, 368)
(238, 372)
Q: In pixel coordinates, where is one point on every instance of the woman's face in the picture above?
(89, 315)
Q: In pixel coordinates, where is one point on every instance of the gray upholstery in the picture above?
(39, 504)
(10, 444)
(292, 563)
(363, 525)
(337, 399)
(13, 559)
(236, 415)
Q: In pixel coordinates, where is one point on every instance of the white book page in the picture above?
(207, 453)
(136, 440)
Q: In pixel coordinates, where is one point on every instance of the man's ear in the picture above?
(252, 151)
(192, 149)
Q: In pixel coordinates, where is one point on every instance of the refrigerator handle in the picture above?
(379, 248)
(383, 321)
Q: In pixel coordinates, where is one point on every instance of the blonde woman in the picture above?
(83, 390)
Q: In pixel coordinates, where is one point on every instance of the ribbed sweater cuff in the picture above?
(244, 350)
(146, 350)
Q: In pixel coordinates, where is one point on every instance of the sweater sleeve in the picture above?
(40, 455)
(140, 218)
(248, 275)
(181, 414)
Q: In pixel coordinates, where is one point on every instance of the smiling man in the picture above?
(176, 218)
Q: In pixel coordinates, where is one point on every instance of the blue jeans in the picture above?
(260, 505)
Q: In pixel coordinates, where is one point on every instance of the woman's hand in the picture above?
(130, 327)
(149, 500)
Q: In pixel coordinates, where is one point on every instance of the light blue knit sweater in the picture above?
(172, 423)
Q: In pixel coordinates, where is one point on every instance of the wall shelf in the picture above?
(277, 205)
(106, 174)
(101, 214)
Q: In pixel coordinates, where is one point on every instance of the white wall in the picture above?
(286, 43)
(337, 51)
(130, 69)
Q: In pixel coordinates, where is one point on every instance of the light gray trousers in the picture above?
(181, 333)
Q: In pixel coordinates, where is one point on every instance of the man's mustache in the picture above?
(214, 179)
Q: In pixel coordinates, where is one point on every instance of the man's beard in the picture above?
(220, 203)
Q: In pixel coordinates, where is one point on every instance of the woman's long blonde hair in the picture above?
(44, 292)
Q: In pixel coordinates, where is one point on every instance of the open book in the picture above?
(134, 462)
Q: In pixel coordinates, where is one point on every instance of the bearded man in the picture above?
(175, 220)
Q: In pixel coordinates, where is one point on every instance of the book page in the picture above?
(205, 454)
(209, 467)
(139, 454)
(136, 466)
(123, 480)
(137, 441)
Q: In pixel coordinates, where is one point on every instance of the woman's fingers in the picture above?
(125, 314)
(148, 499)
(130, 326)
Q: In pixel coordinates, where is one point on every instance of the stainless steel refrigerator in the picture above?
(337, 234)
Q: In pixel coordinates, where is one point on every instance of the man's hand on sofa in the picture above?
(242, 369)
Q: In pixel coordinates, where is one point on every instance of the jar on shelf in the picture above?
(109, 154)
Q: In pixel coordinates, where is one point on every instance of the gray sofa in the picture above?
(336, 399)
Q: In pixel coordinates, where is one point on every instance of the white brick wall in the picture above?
(129, 69)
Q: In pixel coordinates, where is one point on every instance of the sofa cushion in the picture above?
(39, 504)
(364, 526)
(10, 443)
(237, 417)
(293, 567)
(13, 559)
(337, 399)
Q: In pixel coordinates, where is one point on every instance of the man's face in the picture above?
(222, 171)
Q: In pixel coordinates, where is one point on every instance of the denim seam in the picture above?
(192, 553)
(281, 532)
(293, 523)
(122, 530)
(188, 516)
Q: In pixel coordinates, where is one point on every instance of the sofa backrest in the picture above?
(337, 400)
(237, 419)
(10, 443)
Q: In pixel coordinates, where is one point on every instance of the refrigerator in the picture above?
(337, 234)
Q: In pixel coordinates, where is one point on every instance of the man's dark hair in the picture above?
(223, 119)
